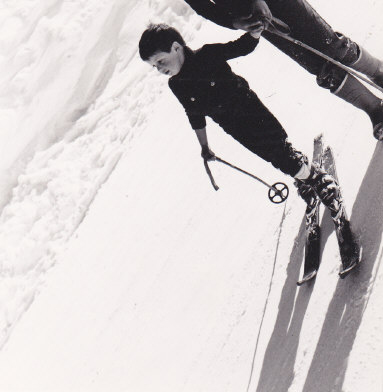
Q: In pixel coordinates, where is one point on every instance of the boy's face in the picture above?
(168, 63)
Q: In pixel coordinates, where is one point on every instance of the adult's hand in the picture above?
(260, 14)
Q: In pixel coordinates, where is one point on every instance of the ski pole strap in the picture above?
(208, 171)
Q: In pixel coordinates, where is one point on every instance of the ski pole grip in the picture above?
(208, 171)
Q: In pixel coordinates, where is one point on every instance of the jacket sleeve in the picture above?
(197, 121)
(240, 47)
(211, 11)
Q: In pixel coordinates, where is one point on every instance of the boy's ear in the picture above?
(176, 46)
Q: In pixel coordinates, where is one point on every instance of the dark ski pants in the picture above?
(255, 127)
(307, 26)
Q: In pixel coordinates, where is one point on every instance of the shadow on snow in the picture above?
(346, 309)
(278, 365)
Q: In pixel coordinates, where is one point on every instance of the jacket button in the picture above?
(212, 84)
(192, 99)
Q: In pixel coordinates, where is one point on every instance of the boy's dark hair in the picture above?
(158, 38)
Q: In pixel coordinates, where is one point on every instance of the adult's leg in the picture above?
(352, 91)
(309, 27)
(306, 59)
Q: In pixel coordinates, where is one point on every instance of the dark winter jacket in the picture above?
(206, 85)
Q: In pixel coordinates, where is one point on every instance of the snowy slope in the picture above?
(121, 269)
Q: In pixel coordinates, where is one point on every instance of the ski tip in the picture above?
(307, 277)
(346, 271)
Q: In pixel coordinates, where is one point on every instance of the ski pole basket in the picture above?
(278, 192)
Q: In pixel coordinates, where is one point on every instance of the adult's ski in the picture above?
(312, 227)
(350, 251)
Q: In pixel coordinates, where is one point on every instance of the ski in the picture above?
(312, 228)
(350, 251)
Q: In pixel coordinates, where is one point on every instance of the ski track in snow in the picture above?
(266, 302)
(65, 166)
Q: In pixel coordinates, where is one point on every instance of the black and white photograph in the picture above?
(191, 196)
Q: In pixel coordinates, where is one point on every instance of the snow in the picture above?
(121, 269)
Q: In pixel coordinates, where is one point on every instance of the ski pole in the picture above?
(208, 171)
(278, 192)
(274, 30)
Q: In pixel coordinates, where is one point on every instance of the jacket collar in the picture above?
(189, 54)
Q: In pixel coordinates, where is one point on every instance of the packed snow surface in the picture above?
(121, 269)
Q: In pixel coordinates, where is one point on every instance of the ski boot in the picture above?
(370, 66)
(321, 184)
(328, 191)
(306, 192)
(377, 122)
(354, 92)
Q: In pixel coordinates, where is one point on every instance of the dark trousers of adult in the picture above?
(307, 26)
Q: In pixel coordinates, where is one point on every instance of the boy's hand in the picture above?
(258, 30)
(207, 154)
(260, 13)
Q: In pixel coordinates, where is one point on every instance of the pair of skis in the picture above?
(350, 251)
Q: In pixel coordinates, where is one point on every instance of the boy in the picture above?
(205, 85)
(306, 25)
